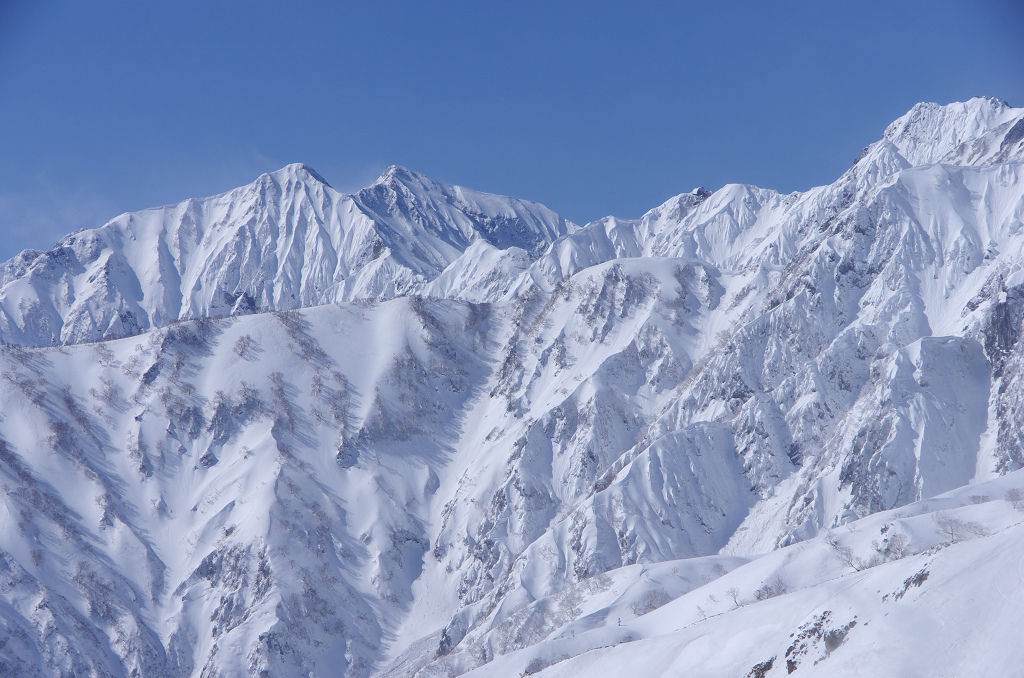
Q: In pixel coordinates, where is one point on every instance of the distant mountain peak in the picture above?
(405, 176)
(296, 171)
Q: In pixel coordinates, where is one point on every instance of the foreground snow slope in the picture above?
(425, 431)
(939, 609)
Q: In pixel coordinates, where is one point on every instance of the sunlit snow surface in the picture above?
(422, 430)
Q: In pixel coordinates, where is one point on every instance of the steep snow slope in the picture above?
(198, 515)
(263, 492)
(474, 437)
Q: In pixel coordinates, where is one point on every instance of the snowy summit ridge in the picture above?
(425, 431)
(286, 241)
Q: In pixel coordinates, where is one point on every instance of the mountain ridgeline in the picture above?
(422, 430)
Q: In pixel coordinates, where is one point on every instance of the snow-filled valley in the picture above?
(425, 431)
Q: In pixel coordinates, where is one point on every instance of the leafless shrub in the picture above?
(775, 587)
(245, 347)
(297, 328)
(597, 583)
(978, 498)
(104, 356)
(130, 368)
(844, 554)
(1015, 496)
(891, 548)
(111, 395)
(895, 546)
(954, 529)
(649, 602)
(734, 594)
(569, 602)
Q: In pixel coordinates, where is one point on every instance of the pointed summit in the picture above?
(297, 171)
(962, 133)
(402, 174)
(457, 216)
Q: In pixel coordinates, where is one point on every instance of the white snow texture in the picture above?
(426, 431)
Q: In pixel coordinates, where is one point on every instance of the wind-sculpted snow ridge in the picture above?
(423, 431)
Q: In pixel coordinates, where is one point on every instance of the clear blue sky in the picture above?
(592, 108)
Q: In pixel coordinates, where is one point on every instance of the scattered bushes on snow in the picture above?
(104, 356)
(538, 664)
(297, 328)
(892, 547)
(336, 401)
(33, 390)
(184, 409)
(231, 414)
(111, 395)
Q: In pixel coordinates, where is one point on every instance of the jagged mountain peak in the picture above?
(979, 131)
(287, 240)
(458, 216)
(398, 173)
(290, 181)
(401, 185)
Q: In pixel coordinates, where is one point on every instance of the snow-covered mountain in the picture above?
(286, 241)
(421, 430)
